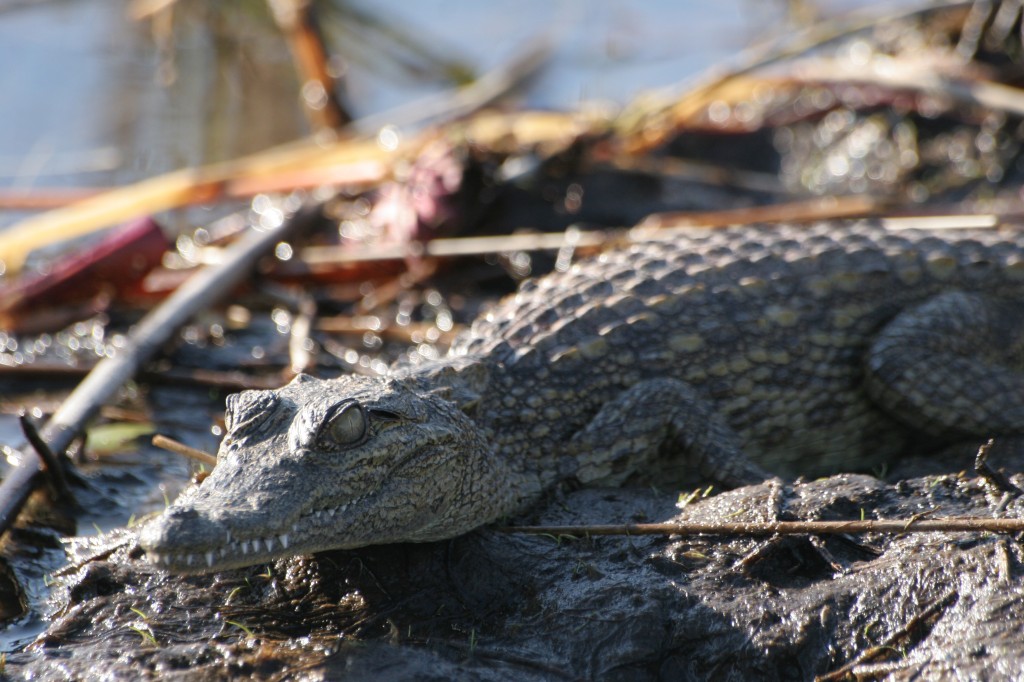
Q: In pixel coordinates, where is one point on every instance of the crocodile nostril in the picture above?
(181, 529)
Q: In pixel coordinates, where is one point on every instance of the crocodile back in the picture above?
(770, 323)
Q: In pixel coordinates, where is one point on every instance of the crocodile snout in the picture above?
(182, 531)
(190, 540)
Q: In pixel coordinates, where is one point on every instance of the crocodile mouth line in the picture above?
(267, 547)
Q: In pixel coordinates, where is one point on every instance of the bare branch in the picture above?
(761, 528)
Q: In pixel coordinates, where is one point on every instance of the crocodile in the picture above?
(735, 354)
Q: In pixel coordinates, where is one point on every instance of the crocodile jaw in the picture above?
(283, 485)
(190, 538)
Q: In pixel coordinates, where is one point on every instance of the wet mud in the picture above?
(498, 606)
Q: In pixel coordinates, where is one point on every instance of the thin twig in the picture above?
(986, 95)
(659, 228)
(54, 466)
(993, 477)
(301, 347)
(456, 246)
(700, 90)
(45, 198)
(412, 332)
(179, 448)
(761, 528)
(453, 104)
(298, 23)
(807, 210)
(888, 645)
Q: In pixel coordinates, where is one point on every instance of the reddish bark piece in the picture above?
(79, 281)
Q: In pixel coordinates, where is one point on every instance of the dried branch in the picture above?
(231, 380)
(236, 177)
(406, 333)
(656, 226)
(143, 343)
(761, 528)
(889, 647)
(659, 121)
(806, 210)
(178, 448)
(918, 78)
(298, 23)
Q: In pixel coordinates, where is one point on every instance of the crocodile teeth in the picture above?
(269, 543)
(223, 552)
(245, 546)
(331, 511)
(228, 541)
(154, 558)
(283, 539)
(209, 559)
(295, 527)
(188, 559)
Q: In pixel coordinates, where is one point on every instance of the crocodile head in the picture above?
(336, 464)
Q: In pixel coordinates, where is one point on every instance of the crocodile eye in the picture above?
(345, 426)
(384, 415)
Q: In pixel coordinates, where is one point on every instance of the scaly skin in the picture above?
(809, 349)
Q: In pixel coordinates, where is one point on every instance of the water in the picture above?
(92, 101)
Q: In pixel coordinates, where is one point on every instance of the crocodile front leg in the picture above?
(628, 432)
(952, 366)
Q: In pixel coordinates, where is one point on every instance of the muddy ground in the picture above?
(497, 606)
